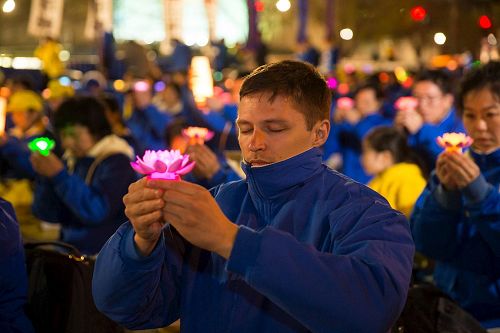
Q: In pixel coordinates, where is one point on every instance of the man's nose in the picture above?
(257, 141)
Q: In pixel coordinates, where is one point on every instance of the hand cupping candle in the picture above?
(163, 164)
(406, 103)
(454, 142)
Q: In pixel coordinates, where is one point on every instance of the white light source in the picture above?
(26, 63)
(439, 38)
(8, 6)
(283, 5)
(64, 55)
(201, 79)
(346, 34)
(202, 41)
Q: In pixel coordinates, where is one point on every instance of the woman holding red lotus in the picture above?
(457, 218)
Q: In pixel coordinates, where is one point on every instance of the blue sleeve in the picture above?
(46, 204)
(157, 120)
(358, 285)
(482, 205)
(435, 220)
(103, 198)
(139, 292)
(13, 278)
(426, 139)
(17, 155)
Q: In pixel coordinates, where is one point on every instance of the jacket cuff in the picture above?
(447, 199)
(245, 251)
(58, 178)
(132, 255)
(476, 191)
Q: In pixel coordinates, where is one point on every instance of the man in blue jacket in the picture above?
(456, 220)
(296, 247)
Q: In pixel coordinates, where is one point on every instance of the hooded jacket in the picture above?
(315, 252)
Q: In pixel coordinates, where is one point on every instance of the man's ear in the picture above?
(321, 131)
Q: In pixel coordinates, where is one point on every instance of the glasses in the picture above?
(428, 98)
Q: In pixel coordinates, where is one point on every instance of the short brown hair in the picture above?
(299, 81)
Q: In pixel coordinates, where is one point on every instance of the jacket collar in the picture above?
(271, 180)
(486, 161)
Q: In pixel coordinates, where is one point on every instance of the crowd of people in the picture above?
(314, 230)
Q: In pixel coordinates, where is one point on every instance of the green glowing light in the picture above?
(42, 145)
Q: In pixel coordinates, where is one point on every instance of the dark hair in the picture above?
(370, 86)
(84, 111)
(438, 77)
(388, 138)
(487, 76)
(110, 102)
(299, 81)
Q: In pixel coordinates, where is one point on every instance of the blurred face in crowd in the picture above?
(77, 139)
(433, 103)
(481, 118)
(375, 162)
(274, 131)
(367, 102)
(170, 96)
(25, 119)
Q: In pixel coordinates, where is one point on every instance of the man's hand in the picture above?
(143, 208)
(455, 170)
(195, 214)
(207, 164)
(409, 119)
(47, 166)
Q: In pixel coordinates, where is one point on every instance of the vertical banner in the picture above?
(303, 13)
(330, 19)
(211, 9)
(173, 24)
(99, 18)
(253, 42)
(46, 18)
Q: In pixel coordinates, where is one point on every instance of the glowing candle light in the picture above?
(197, 135)
(163, 164)
(345, 103)
(454, 142)
(42, 145)
(406, 103)
(201, 80)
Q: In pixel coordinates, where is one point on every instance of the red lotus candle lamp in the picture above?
(406, 103)
(163, 164)
(454, 142)
(197, 135)
(345, 103)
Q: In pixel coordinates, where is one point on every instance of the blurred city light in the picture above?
(283, 5)
(418, 13)
(8, 6)
(439, 38)
(346, 34)
(484, 22)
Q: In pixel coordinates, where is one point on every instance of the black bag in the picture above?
(60, 291)
(429, 310)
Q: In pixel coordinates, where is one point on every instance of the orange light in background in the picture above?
(119, 85)
(384, 77)
(259, 6)
(4, 92)
(46, 93)
(343, 89)
(452, 65)
(201, 80)
(229, 84)
(3, 113)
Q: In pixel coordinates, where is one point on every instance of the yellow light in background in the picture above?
(283, 5)
(3, 110)
(401, 74)
(119, 85)
(64, 55)
(201, 80)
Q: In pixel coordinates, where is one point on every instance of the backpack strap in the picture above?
(95, 164)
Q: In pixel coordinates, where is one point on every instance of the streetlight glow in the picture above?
(439, 38)
(8, 6)
(346, 34)
(283, 5)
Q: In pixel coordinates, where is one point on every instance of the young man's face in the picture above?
(273, 132)
(433, 104)
(77, 139)
(481, 119)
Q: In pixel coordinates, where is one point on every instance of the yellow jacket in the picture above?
(401, 185)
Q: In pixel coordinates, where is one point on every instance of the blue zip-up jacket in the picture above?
(461, 231)
(350, 140)
(424, 141)
(89, 214)
(315, 252)
(13, 279)
(225, 175)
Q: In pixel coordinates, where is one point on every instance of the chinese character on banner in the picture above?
(46, 18)
(99, 18)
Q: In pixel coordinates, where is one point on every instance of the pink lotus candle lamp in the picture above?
(406, 103)
(454, 142)
(197, 135)
(345, 103)
(163, 164)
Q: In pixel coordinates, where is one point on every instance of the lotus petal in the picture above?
(160, 166)
(186, 169)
